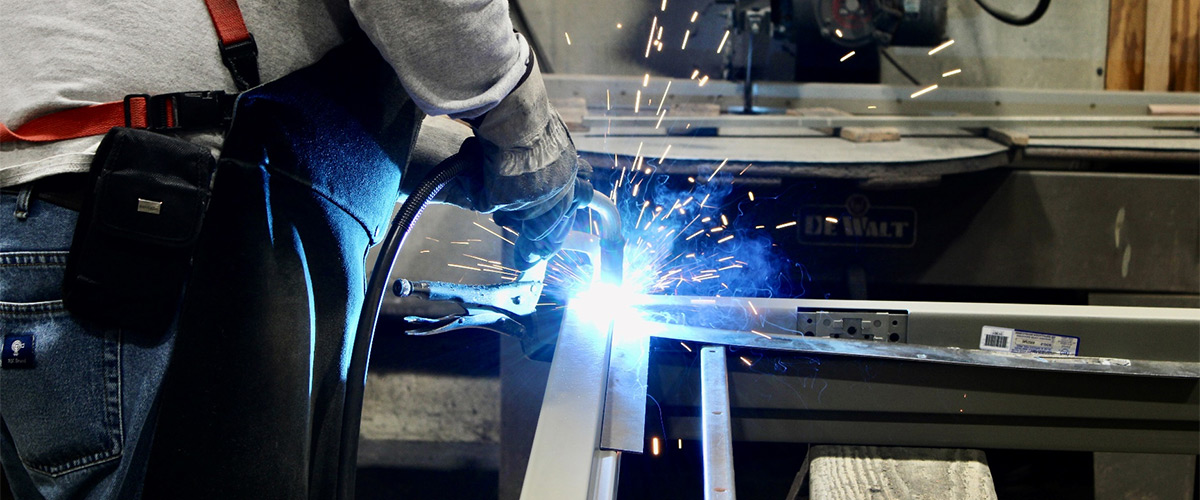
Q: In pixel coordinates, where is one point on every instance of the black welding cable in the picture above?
(898, 67)
(1007, 18)
(360, 353)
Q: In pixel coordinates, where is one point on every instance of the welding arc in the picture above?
(360, 353)
(1007, 18)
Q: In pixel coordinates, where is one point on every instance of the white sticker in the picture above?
(995, 338)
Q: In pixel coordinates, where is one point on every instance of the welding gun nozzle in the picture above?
(402, 288)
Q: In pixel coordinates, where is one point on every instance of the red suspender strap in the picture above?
(227, 18)
(82, 122)
(238, 50)
(168, 111)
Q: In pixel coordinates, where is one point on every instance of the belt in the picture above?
(66, 190)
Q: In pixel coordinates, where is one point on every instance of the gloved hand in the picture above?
(540, 237)
(532, 177)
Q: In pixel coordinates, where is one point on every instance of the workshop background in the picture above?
(1102, 214)
(442, 413)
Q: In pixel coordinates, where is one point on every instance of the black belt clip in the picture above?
(241, 58)
(210, 109)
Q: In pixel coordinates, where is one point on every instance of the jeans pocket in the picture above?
(64, 412)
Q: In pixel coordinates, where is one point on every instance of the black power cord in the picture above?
(360, 353)
(1007, 18)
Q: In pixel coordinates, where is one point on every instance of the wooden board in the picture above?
(870, 134)
(870, 472)
(1126, 44)
(1185, 45)
(1157, 70)
(1174, 110)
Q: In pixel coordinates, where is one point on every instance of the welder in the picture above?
(186, 211)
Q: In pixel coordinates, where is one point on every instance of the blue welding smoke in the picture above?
(691, 235)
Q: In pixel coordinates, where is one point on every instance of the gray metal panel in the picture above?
(1075, 230)
(1023, 229)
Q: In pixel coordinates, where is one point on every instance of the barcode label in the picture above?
(995, 341)
(996, 338)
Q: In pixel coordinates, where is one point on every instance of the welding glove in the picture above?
(532, 179)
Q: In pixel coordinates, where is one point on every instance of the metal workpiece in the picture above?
(1144, 334)
(565, 451)
(924, 354)
(606, 472)
(624, 427)
(716, 437)
(793, 388)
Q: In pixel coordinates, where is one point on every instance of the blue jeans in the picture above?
(251, 404)
(75, 425)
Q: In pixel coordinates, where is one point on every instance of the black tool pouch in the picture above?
(133, 244)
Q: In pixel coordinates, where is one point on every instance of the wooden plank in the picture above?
(870, 134)
(869, 472)
(1157, 70)
(1185, 46)
(1126, 44)
(1008, 137)
(1174, 109)
(693, 109)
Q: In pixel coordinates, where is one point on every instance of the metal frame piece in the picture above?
(1117, 395)
(624, 426)
(976, 122)
(716, 439)
(565, 457)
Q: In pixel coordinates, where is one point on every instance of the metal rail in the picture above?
(717, 439)
(976, 122)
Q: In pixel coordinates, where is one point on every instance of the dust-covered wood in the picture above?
(1185, 45)
(695, 109)
(876, 473)
(870, 134)
(1157, 70)
(1008, 137)
(572, 110)
(1126, 44)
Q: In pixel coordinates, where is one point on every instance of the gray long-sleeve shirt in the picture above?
(454, 57)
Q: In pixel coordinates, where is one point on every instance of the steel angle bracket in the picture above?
(565, 460)
(624, 424)
(925, 354)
